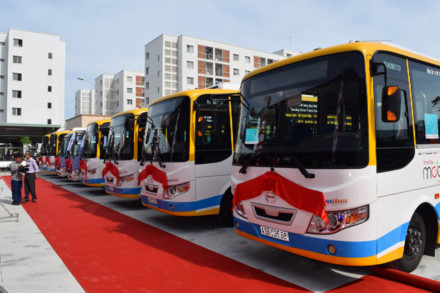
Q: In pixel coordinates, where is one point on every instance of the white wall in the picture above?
(35, 78)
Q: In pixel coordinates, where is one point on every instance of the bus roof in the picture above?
(58, 133)
(100, 121)
(133, 111)
(194, 94)
(367, 48)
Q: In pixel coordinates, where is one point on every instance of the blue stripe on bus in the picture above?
(94, 181)
(117, 190)
(437, 208)
(354, 249)
(185, 206)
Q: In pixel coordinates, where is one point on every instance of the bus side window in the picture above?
(425, 86)
(394, 140)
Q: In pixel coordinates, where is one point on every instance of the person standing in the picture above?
(29, 178)
(16, 168)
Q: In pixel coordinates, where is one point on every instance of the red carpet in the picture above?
(107, 251)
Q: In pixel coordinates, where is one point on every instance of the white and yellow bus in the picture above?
(63, 154)
(54, 147)
(94, 153)
(337, 156)
(44, 153)
(187, 153)
(123, 153)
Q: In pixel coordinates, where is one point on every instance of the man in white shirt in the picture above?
(29, 178)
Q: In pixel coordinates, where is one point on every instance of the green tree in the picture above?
(25, 140)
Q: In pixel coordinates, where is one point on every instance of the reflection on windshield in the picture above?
(90, 150)
(167, 136)
(77, 143)
(121, 138)
(45, 146)
(313, 111)
(64, 144)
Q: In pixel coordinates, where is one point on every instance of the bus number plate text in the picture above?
(274, 233)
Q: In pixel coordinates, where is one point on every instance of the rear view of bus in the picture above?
(336, 156)
(75, 154)
(123, 153)
(44, 153)
(92, 164)
(187, 153)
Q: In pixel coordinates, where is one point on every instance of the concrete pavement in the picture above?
(27, 261)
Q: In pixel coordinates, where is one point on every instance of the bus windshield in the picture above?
(90, 150)
(45, 146)
(121, 138)
(53, 145)
(167, 136)
(64, 142)
(77, 143)
(313, 111)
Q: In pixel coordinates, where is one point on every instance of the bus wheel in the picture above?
(225, 214)
(415, 243)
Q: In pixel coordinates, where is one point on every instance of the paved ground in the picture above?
(206, 232)
(27, 261)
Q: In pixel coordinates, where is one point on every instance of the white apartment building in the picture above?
(181, 63)
(32, 77)
(84, 102)
(119, 92)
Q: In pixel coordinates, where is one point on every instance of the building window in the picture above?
(236, 57)
(16, 111)
(246, 72)
(129, 90)
(158, 89)
(190, 64)
(2, 76)
(2, 93)
(189, 48)
(147, 85)
(49, 88)
(2, 60)
(49, 55)
(147, 55)
(158, 57)
(247, 59)
(49, 121)
(18, 42)
(129, 102)
(158, 73)
(16, 59)
(49, 72)
(49, 106)
(147, 70)
(288, 55)
(129, 79)
(16, 76)
(16, 94)
(2, 43)
(190, 80)
(236, 71)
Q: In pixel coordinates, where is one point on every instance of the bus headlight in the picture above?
(338, 221)
(175, 190)
(125, 179)
(239, 209)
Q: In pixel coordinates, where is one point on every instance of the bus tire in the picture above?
(225, 215)
(415, 243)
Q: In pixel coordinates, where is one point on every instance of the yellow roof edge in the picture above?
(367, 48)
(194, 94)
(136, 111)
(100, 121)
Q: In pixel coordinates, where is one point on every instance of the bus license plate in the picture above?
(274, 233)
(152, 200)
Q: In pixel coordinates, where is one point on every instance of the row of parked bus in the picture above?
(329, 154)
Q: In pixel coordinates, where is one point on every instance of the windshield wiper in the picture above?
(301, 167)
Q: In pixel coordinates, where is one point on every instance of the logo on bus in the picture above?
(430, 172)
(338, 201)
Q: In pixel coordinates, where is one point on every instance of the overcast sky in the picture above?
(106, 36)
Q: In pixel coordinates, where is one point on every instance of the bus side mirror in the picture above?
(391, 103)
